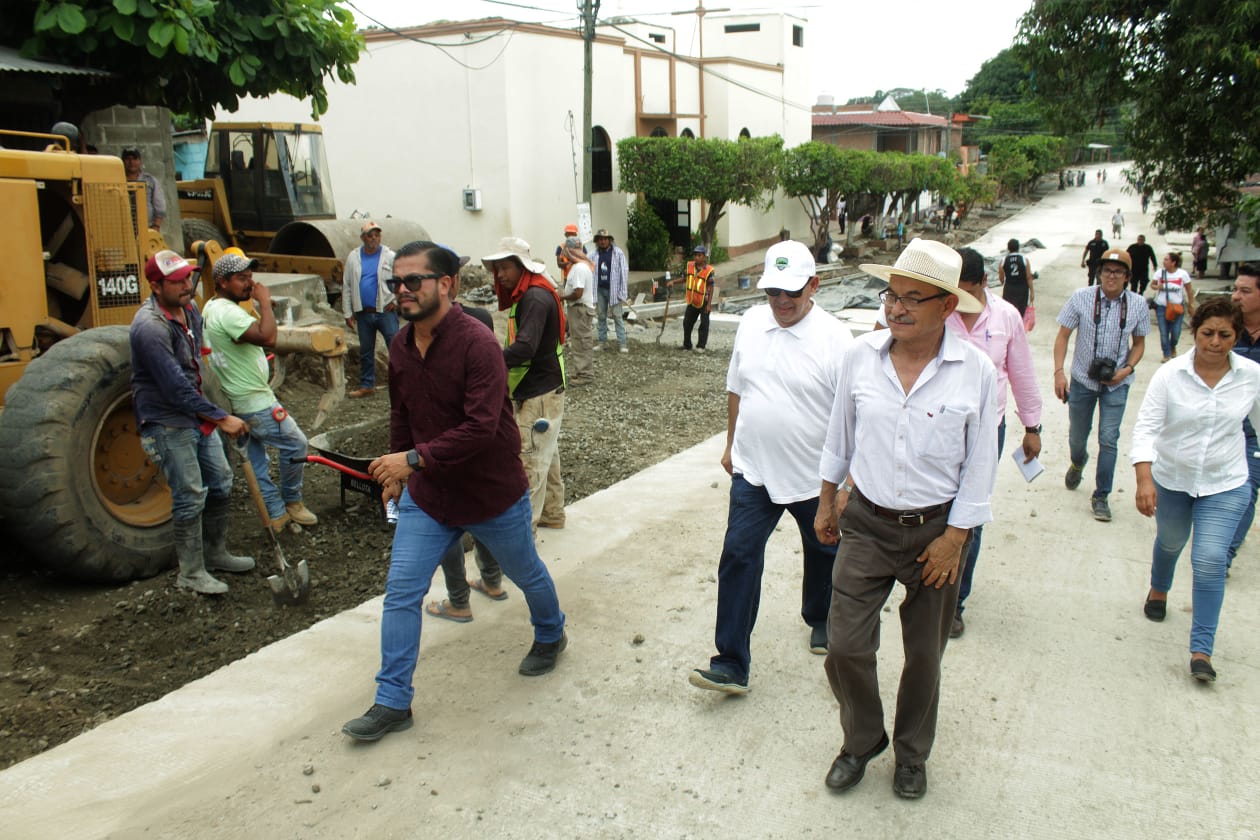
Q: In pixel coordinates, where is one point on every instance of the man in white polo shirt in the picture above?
(780, 386)
(914, 429)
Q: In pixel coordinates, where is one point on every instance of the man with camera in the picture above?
(1111, 325)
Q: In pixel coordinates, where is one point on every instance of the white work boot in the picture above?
(192, 566)
(214, 520)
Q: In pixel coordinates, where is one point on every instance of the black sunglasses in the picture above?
(792, 295)
(413, 282)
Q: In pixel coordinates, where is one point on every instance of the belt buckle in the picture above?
(910, 520)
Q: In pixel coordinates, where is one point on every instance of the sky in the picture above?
(857, 46)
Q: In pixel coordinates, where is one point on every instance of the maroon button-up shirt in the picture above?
(452, 406)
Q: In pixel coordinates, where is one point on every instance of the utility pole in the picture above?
(589, 10)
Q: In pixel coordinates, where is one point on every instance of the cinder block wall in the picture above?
(149, 128)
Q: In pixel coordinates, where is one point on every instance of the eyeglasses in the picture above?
(413, 282)
(792, 295)
(890, 300)
(1114, 271)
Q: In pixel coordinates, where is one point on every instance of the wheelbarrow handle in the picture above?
(328, 462)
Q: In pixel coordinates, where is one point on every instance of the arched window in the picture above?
(658, 132)
(744, 135)
(601, 160)
(686, 132)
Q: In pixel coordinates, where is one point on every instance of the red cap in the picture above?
(570, 230)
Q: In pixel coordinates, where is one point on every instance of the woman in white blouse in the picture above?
(1172, 288)
(1192, 467)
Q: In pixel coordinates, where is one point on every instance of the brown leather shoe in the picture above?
(359, 393)
(280, 523)
(300, 514)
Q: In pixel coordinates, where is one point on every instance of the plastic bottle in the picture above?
(391, 511)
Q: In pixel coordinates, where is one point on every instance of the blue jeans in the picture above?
(964, 589)
(1213, 518)
(749, 523)
(288, 440)
(603, 307)
(1081, 402)
(194, 465)
(1249, 515)
(1169, 331)
(419, 543)
(368, 324)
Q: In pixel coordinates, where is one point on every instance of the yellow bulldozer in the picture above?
(75, 486)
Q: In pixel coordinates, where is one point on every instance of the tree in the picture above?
(999, 80)
(1188, 73)
(195, 55)
(928, 173)
(1018, 162)
(887, 174)
(715, 171)
(819, 175)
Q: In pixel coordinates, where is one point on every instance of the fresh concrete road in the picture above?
(1063, 711)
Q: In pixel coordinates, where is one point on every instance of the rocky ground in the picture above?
(72, 657)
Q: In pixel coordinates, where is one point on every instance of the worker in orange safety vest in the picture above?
(700, 285)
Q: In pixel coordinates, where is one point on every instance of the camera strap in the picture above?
(1124, 317)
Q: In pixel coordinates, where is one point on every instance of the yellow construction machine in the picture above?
(75, 486)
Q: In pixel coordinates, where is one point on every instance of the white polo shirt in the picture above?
(786, 381)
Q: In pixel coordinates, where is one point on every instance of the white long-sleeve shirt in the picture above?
(910, 451)
(1192, 434)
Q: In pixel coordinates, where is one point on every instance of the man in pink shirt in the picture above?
(998, 330)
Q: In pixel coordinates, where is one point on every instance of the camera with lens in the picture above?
(1102, 370)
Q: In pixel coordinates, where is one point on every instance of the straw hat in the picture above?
(929, 262)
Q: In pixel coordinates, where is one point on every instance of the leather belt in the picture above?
(368, 309)
(905, 518)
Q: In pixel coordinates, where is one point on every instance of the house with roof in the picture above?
(474, 128)
(885, 128)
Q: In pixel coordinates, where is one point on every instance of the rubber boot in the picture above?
(192, 567)
(214, 520)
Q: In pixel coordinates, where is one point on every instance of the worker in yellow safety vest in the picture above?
(700, 280)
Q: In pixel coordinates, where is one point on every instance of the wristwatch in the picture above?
(1033, 430)
(413, 459)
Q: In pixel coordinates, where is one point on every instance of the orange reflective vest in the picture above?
(699, 289)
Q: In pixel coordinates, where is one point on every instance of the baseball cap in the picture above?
(700, 249)
(130, 151)
(789, 265)
(570, 230)
(368, 227)
(1117, 255)
(167, 265)
(229, 264)
(603, 233)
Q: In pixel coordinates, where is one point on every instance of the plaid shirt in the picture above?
(1113, 341)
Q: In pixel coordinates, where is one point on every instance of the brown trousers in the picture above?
(873, 554)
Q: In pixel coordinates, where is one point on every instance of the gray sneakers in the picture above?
(1102, 511)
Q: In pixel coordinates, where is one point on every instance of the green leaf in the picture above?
(161, 32)
(236, 73)
(125, 7)
(181, 41)
(46, 19)
(124, 27)
(70, 19)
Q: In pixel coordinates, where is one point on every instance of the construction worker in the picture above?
(367, 304)
(153, 196)
(700, 284)
(570, 230)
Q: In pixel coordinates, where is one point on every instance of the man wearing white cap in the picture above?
(907, 471)
(784, 371)
(367, 304)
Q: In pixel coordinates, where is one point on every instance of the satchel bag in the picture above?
(1173, 311)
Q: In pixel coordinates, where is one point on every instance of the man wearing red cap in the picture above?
(367, 304)
(177, 423)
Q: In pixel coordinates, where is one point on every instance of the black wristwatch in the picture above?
(413, 459)
(1033, 430)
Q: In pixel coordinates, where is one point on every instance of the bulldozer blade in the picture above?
(292, 586)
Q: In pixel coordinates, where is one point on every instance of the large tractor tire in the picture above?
(76, 488)
(200, 230)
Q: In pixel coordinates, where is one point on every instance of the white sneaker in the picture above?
(598, 347)
(625, 350)
(699, 349)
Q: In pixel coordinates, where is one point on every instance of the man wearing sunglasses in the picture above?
(907, 471)
(452, 467)
(781, 382)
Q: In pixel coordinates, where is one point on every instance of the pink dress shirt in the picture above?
(999, 332)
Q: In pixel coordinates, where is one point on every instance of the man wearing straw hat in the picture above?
(907, 470)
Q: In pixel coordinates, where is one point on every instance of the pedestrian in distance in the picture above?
(1117, 223)
(453, 467)
(178, 423)
(612, 273)
(1111, 325)
(780, 385)
(366, 303)
(1142, 256)
(579, 297)
(907, 470)
(998, 331)
(1191, 466)
(1199, 252)
(1015, 277)
(1174, 296)
(238, 341)
(1091, 257)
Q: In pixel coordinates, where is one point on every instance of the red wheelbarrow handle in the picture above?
(341, 468)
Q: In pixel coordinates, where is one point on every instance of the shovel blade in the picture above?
(292, 586)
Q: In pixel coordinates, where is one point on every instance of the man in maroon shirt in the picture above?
(453, 468)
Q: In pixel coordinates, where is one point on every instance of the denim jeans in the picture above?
(194, 465)
(1249, 515)
(456, 572)
(1214, 519)
(1169, 331)
(969, 565)
(419, 543)
(368, 324)
(290, 443)
(603, 306)
(750, 521)
(1081, 402)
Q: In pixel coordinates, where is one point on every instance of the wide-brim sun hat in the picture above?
(514, 247)
(931, 262)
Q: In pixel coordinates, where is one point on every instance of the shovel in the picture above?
(293, 584)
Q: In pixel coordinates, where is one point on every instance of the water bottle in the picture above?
(391, 511)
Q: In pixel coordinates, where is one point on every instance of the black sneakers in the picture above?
(717, 681)
(1073, 478)
(1102, 510)
(541, 658)
(818, 640)
(377, 722)
(1202, 670)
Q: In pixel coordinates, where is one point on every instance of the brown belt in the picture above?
(905, 518)
(368, 309)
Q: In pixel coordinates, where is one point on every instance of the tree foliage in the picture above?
(999, 80)
(1188, 72)
(1018, 162)
(718, 172)
(819, 175)
(195, 55)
